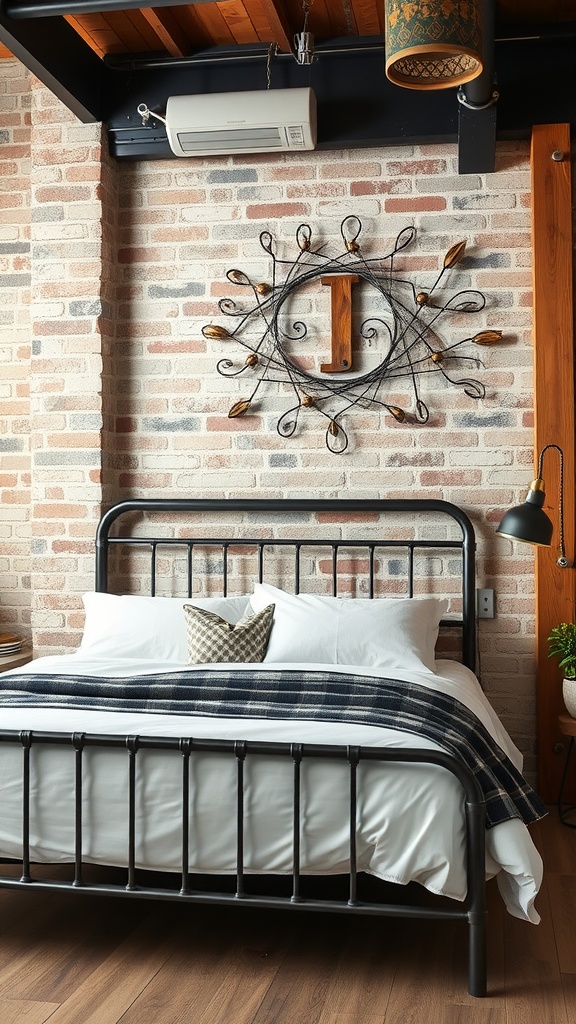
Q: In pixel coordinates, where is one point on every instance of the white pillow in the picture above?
(146, 627)
(383, 633)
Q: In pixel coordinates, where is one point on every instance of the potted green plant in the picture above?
(562, 644)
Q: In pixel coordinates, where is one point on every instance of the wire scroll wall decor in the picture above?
(403, 329)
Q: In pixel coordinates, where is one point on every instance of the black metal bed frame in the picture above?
(472, 910)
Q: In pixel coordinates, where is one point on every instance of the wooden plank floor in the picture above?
(69, 959)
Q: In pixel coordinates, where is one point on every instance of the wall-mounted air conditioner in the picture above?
(259, 121)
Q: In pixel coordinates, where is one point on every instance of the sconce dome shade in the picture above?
(434, 44)
(528, 522)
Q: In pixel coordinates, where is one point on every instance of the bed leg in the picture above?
(477, 954)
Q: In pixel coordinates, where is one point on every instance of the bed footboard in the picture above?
(472, 910)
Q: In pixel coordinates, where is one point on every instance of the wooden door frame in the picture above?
(554, 399)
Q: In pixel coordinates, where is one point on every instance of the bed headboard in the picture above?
(445, 532)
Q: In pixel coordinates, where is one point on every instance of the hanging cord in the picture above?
(272, 51)
(562, 560)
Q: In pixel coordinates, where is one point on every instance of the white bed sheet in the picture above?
(411, 825)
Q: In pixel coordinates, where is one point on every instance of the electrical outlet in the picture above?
(485, 603)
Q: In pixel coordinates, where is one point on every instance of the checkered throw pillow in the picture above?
(211, 638)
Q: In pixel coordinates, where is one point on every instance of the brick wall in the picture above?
(128, 264)
(15, 347)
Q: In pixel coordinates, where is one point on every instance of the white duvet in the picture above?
(411, 825)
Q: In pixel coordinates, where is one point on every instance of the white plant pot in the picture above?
(569, 694)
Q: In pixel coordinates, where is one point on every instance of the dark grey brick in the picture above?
(241, 174)
(11, 444)
(160, 425)
(86, 457)
(397, 567)
(14, 247)
(15, 280)
(496, 259)
(283, 460)
(86, 307)
(41, 213)
(494, 419)
(182, 291)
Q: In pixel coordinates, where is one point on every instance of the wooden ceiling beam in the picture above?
(169, 32)
(282, 31)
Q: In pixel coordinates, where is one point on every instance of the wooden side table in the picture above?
(15, 660)
(567, 725)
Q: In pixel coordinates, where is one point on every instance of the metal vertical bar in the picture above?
(353, 759)
(411, 570)
(26, 741)
(334, 570)
(476, 897)
(225, 568)
(132, 747)
(296, 752)
(371, 570)
(297, 548)
(153, 569)
(78, 744)
(260, 563)
(189, 566)
(240, 753)
(185, 747)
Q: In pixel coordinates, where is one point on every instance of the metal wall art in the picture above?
(400, 334)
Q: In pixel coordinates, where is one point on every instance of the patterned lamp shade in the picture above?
(432, 44)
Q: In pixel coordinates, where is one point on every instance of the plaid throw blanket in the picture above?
(306, 695)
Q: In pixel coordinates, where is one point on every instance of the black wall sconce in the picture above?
(529, 522)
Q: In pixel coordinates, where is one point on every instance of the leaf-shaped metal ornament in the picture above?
(217, 332)
(454, 254)
(333, 428)
(263, 288)
(487, 337)
(397, 413)
(251, 360)
(308, 401)
(239, 408)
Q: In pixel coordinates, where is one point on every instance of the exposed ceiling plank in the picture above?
(369, 17)
(282, 31)
(239, 22)
(215, 25)
(98, 39)
(168, 30)
(133, 31)
(191, 25)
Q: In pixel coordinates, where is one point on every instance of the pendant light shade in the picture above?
(528, 522)
(432, 44)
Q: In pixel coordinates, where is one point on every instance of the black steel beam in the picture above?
(23, 9)
(57, 55)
